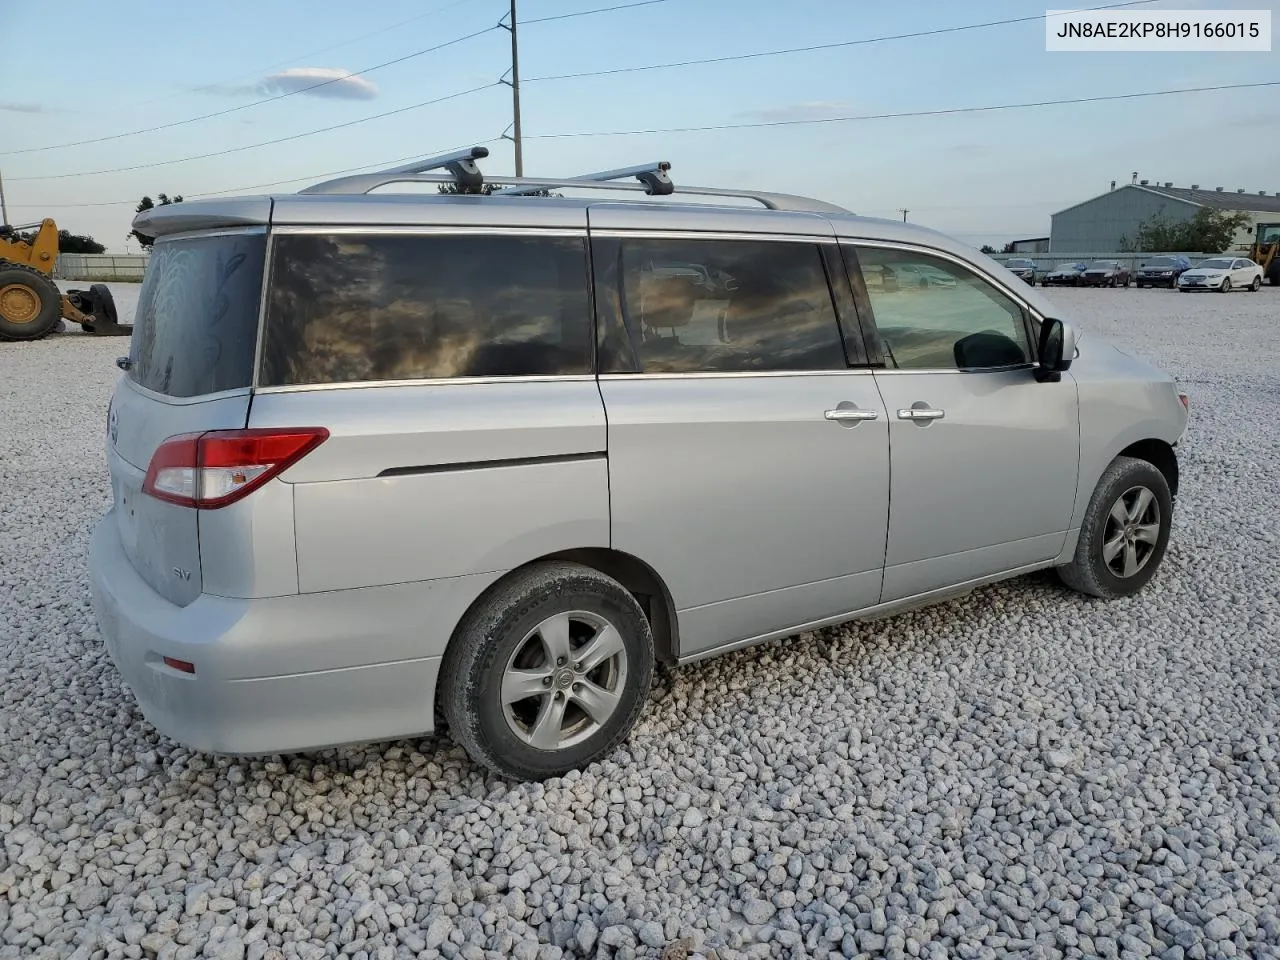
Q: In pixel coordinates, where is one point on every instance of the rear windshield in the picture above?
(349, 308)
(197, 320)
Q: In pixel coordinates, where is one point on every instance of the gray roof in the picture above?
(1226, 200)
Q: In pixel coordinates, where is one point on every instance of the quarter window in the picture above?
(347, 308)
(728, 306)
(933, 314)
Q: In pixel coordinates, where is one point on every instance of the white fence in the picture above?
(100, 267)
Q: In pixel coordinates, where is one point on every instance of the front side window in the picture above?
(345, 308)
(933, 314)
(721, 306)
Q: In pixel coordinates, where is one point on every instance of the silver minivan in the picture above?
(384, 462)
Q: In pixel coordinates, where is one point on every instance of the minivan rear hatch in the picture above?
(190, 369)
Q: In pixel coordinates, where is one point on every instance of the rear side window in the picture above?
(348, 308)
(196, 324)
(723, 306)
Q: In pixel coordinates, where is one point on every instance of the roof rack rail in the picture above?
(462, 170)
(461, 165)
(654, 177)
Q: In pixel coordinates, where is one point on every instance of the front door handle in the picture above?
(845, 414)
(921, 413)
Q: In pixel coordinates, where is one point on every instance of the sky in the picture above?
(979, 176)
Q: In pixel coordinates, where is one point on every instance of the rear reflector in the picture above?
(183, 665)
(214, 469)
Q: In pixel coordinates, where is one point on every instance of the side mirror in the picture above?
(1057, 350)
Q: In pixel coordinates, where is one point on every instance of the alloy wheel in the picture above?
(564, 680)
(1132, 532)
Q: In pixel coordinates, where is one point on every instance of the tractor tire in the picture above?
(30, 303)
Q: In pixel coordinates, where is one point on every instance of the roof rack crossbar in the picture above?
(654, 176)
(653, 179)
(461, 165)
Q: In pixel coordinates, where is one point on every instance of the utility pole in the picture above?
(904, 214)
(4, 211)
(514, 84)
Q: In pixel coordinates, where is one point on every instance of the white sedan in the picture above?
(1222, 274)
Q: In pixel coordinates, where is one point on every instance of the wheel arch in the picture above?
(1160, 455)
(640, 579)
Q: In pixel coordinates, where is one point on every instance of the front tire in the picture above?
(1124, 533)
(548, 672)
(30, 303)
(1226, 285)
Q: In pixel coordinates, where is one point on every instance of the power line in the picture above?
(324, 83)
(265, 143)
(816, 47)
(314, 177)
(303, 56)
(895, 116)
(255, 103)
(587, 13)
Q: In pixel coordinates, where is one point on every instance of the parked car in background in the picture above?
(1222, 274)
(1023, 268)
(1065, 275)
(1105, 273)
(1162, 272)
(922, 276)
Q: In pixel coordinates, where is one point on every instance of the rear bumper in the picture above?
(280, 674)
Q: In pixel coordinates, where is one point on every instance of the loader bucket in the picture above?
(98, 309)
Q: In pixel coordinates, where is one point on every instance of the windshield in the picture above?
(1160, 262)
(196, 326)
(1021, 263)
(1104, 265)
(1269, 234)
(1221, 263)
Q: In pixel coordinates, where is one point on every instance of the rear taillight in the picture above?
(211, 470)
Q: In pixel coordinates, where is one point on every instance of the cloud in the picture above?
(21, 107)
(343, 85)
(806, 110)
(328, 82)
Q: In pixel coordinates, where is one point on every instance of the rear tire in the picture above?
(1256, 285)
(1124, 533)
(512, 674)
(30, 303)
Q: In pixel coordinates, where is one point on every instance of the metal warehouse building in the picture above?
(1103, 224)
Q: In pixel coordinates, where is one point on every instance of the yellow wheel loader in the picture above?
(32, 306)
(1266, 251)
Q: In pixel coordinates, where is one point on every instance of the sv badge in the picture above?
(181, 574)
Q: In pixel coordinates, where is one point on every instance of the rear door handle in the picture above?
(921, 413)
(850, 413)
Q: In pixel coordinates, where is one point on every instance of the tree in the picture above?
(146, 203)
(1209, 231)
(988, 249)
(68, 242)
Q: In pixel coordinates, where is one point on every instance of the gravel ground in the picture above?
(1019, 773)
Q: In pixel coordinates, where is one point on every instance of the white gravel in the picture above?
(1020, 773)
